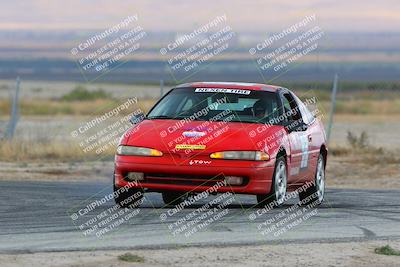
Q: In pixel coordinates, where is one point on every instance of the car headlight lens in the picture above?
(240, 155)
(138, 151)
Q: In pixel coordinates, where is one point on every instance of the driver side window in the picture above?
(291, 108)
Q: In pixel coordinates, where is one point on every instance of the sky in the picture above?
(185, 15)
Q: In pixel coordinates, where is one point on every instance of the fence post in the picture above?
(14, 112)
(333, 107)
(161, 88)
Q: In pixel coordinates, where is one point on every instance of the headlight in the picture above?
(241, 155)
(138, 151)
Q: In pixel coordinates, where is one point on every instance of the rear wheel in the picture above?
(173, 198)
(278, 188)
(316, 192)
(127, 197)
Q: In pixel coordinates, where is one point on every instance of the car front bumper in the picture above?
(175, 177)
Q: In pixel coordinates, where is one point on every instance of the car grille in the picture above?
(183, 179)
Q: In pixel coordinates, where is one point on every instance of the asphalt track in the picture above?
(39, 216)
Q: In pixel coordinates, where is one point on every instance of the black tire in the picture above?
(127, 197)
(315, 194)
(173, 198)
(274, 197)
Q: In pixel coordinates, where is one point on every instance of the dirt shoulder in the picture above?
(351, 172)
(57, 171)
(311, 254)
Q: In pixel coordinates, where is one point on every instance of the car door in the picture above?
(313, 133)
(299, 141)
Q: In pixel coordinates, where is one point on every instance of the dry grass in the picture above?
(26, 151)
(363, 106)
(368, 155)
(129, 257)
(358, 103)
(359, 150)
(40, 107)
(387, 250)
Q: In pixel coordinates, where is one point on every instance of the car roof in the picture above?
(232, 85)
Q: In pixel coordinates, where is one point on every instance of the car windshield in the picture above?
(217, 104)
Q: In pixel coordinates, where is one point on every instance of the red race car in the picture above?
(242, 138)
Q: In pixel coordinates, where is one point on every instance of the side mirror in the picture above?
(137, 118)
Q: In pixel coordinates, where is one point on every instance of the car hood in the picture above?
(179, 136)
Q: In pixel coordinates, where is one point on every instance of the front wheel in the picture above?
(277, 193)
(316, 192)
